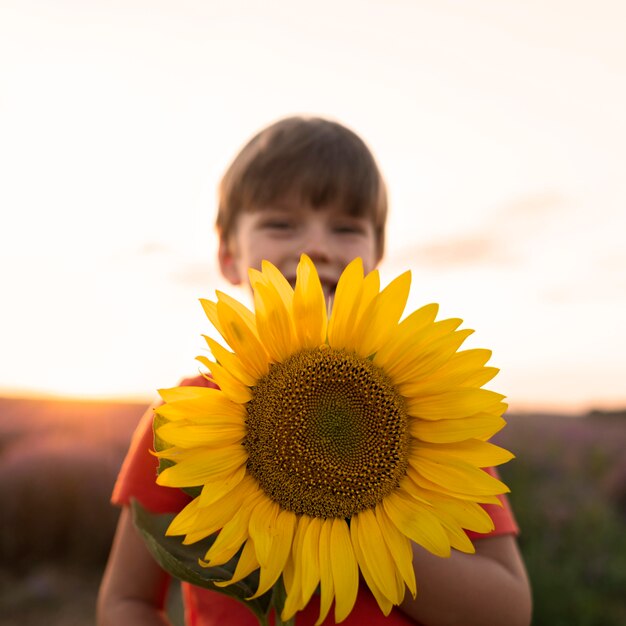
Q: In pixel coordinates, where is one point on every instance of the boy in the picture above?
(305, 186)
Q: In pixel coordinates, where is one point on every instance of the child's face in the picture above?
(281, 233)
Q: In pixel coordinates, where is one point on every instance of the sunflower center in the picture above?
(327, 434)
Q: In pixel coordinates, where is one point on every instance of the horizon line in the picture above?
(520, 407)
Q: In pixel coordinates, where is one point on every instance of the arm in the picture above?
(489, 587)
(133, 585)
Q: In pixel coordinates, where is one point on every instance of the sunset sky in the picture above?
(499, 127)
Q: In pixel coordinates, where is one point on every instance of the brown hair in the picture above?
(318, 159)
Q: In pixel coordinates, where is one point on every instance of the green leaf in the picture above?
(157, 421)
(182, 561)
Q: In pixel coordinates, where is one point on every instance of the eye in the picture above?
(277, 224)
(351, 228)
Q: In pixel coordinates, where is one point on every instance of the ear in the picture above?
(228, 262)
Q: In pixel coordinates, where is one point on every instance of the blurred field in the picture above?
(58, 462)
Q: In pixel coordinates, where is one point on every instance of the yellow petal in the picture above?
(230, 386)
(270, 276)
(472, 451)
(383, 602)
(192, 518)
(454, 404)
(255, 277)
(371, 288)
(211, 518)
(480, 377)
(469, 515)
(246, 315)
(292, 590)
(288, 578)
(454, 514)
(229, 539)
(426, 361)
(272, 532)
(246, 564)
(214, 491)
(201, 409)
(311, 558)
(345, 304)
(407, 335)
(369, 291)
(416, 522)
(279, 282)
(309, 305)
(447, 431)
(463, 362)
(326, 573)
(376, 554)
(195, 467)
(231, 362)
(210, 310)
(424, 483)
(262, 522)
(458, 476)
(456, 535)
(185, 520)
(274, 324)
(282, 539)
(243, 340)
(177, 394)
(293, 573)
(345, 571)
(399, 546)
(185, 434)
(465, 368)
(380, 319)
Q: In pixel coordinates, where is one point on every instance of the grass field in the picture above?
(58, 462)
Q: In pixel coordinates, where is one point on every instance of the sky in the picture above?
(498, 125)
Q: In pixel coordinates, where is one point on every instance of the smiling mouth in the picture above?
(329, 288)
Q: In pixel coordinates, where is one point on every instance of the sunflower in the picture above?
(334, 440)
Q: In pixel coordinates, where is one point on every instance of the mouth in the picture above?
(329, 288)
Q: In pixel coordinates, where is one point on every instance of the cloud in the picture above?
(501, 241)
(462, 251)
(601, 280)
(535, 206)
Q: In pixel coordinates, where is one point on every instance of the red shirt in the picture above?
(137, 479)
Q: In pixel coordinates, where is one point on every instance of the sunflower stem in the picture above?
(279, 595)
